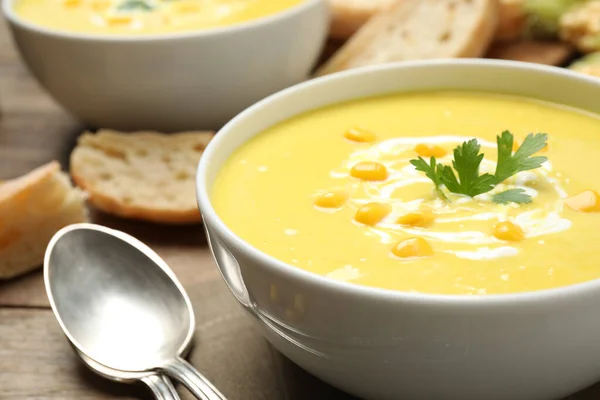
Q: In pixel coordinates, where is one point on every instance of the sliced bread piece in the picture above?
(420, 29)
(141, 175)
(548, 53)
(33, 208)
(512, 20)
(347, 16)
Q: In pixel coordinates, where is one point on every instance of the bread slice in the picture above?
(32, 209)
(548, 53)
(146, 176)
(420, 29)
(347, 16)
(512, 20)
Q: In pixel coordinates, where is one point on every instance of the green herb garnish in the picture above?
(518, 196)
(466, 163)
(433, 171)
(510, 164)
(464, 177)
(133, 5)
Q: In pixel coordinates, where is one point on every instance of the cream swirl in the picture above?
(463, 226)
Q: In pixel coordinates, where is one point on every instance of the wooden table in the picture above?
(35, 360)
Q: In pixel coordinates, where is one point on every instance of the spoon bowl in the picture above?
(120, 305)
(117, 303)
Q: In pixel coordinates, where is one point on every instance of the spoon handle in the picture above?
(161, 386)
(196, 383)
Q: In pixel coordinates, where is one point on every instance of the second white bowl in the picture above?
(172, 82)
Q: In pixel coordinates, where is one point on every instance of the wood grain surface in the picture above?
(36, 362)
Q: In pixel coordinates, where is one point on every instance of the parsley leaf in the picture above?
(464, 178)
(467, 160)
(510, 164)
(518, 196)
(433, 170)
(132, 5)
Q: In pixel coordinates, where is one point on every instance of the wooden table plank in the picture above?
(37, 363)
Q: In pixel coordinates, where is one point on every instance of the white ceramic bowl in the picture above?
(171, 82)
(381, 344)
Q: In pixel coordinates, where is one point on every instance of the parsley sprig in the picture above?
(464, 177)
(135, 5)
(433, 170)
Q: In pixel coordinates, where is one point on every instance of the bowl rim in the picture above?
(213, 221)
(238, 28)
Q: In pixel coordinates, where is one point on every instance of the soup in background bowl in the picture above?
(145, 16)
(166, 79)
(279, 187)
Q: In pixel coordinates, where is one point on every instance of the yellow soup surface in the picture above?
(333, 192)
(145, 16)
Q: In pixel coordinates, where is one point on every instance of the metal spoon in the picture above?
(159, 384)
(120, 304)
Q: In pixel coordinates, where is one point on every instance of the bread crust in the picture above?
(547, 53)
(347, 16)
(11, 188)
(33, 208)
(512, 20)
(132, 192)
(114, 206)
(387, 37)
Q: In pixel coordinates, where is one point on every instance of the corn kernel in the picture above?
(430, 150)
(360, 135)
(119, 19)
(418, 218)
(371, 213)
(100, 5)
(188, 7)
(413, 247)
(369, 171)
(587, 201)
(333, 199)
(509, 231)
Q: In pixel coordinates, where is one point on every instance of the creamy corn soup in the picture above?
(334, 192)
(145, 16)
